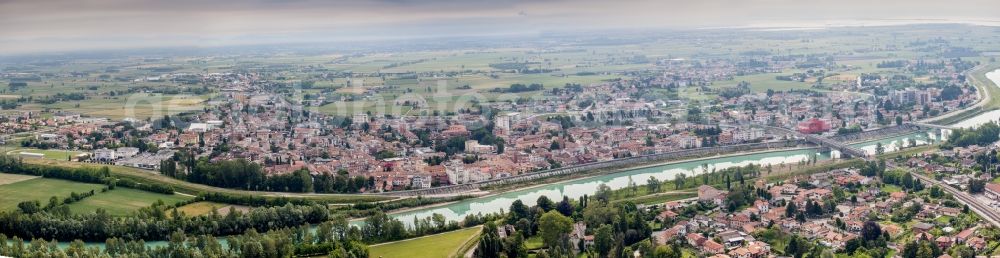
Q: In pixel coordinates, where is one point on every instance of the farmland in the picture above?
(440, 245)
(48, 154)
(39, 189)
(13, 178)
(205, 207)
(123, 201)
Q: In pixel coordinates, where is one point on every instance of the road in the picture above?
(984, 210)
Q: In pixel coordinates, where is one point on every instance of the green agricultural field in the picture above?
(891, 188)
(206, 207)
(199, 208)
(440, 245)
(123, 201)
(762, 82)
(40, 189)
(14, 178)
(49, 154)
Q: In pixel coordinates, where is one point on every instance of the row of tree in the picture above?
(243, 174)
(983, 135)
(153, 223)
(618, 229)
(332, 239)
(15, 165)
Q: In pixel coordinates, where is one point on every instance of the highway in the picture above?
(984, 210)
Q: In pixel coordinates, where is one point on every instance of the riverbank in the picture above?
(601, 172)
(777, 170)
(989, 96)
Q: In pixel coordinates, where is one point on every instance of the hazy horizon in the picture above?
(63, 25)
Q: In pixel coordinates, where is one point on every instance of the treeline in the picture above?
(892, 64)
(618, 229)
(14, 165)
(335, 239)
(31, 207)
(379, 227)
(242, 174)
(251, 200)
(153, 223)
(517, 88)
(983, 135)
(365, 209)
(903, 179)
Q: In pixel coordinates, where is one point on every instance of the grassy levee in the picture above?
(992, 92)
(180, 186)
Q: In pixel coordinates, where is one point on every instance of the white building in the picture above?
(473, 147)
(125, 152)
(748, 134)
(456, 173)
(506, 121)
(359, 119)
(421, 181)
(200, 127)
(104, 155)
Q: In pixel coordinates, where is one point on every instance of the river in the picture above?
(588, 186)
(989, 116)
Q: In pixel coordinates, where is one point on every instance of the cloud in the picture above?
(56, 25)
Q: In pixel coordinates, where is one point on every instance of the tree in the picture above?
(565, 207)
(792, 248)
(666, 251)
(871, 230)
(517, 211)
(544, 203)
(603, 193)
(962, 251)
(790, 210)
(604, 240)
(30, 207)
(679, 180)
(552, 226)
(513, 246)
(653, 184)
(490, 245)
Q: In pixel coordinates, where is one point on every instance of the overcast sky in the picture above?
(28, 26)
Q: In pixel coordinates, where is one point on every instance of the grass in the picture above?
(200, 208)
(138, 105)
(205, 207)
(439, 245)
(49, 154)
(40, 189)
(762, 82)
(659, 198)
(891, 188)
(152, 177)
(123, 201)
(14, 178)
(533, 243)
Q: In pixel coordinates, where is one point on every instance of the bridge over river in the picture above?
(844, 148)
